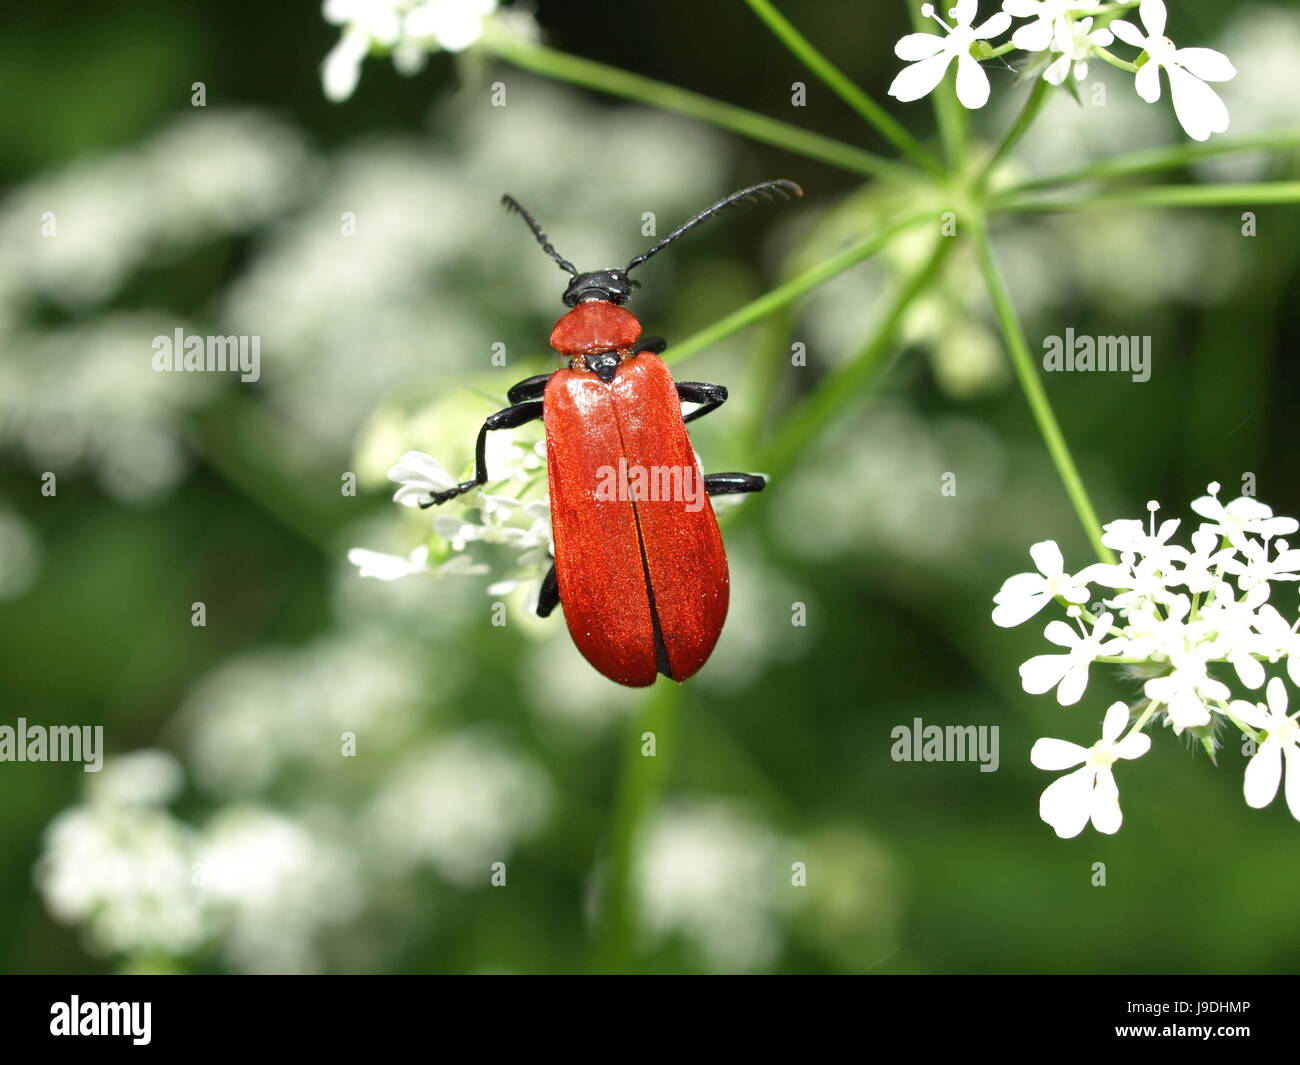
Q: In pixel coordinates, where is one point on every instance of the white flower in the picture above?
(1129, 535)
(1025, 594)
(1185, 691)
(409, 29)
(1142, 586)
(458, 804)
(420, 477)
(498, 513)
(1042, 673)
(391, 567)
(1241, 516)
(364, 22)
(703, 871)
(1075, 41)
(1277, 640)
(1090, 792)
(1233, 625)
(1049, 20)
(1198, 107)
(452, 24)
(1264, 771)
(1256, 569)
(930, 56)
(1199, 566)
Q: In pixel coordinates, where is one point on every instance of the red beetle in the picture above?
(639, 564)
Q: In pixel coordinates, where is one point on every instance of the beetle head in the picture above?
(612, 286)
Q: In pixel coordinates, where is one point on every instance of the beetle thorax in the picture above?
(594, 327)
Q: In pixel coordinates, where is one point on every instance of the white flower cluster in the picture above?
(1064, 35)
(1173, 615)
(146, 885)
(408, 29)
(519, 522)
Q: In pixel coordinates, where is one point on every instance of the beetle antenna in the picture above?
(511, 204)
(766, 191)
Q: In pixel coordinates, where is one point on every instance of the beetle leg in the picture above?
(710, 397)
(549, 597)
(651, 344)
(730, 484)
(528, 388)
(510, 418)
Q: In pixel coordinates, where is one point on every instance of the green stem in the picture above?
(1155, 160)
(816, 413)
(948, 112)
(1244, 195)
(1141, 722)
(1037, 96)
(640, 785)
(602, 78)
(844, 88)
(1114, 60)
(1241, 725)
(1035, 393)
(791, 290)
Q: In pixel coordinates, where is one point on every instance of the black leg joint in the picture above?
(731, 484)
(710, 397)
(510, 418)
(528, 388)
(549, 597)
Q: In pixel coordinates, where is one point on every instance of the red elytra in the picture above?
(643, 582)
(640, 569)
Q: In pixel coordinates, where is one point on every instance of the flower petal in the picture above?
(919, 79)
(1250, 713)
(1132, 746)
(917, 46)
(1153, 16)
(972, 83)
(1206, 64)
(1104, 810)
(1116, 718)
(1073, 685)
(1033, 36)
(1147, 82)
(1043, 672)
(384, 567)
(1249, 669)
(1016, 610)
(1263, 772)
(1198, 107)
(1275, 693)
(993, 26)
(1056, 72)
(1057, 754)
(1066, 805)
(1293, 780)
(1061, 634)
(341, 69)
(1128, 33)
(1048, 558)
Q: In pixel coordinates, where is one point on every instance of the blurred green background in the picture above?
(479, 743)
